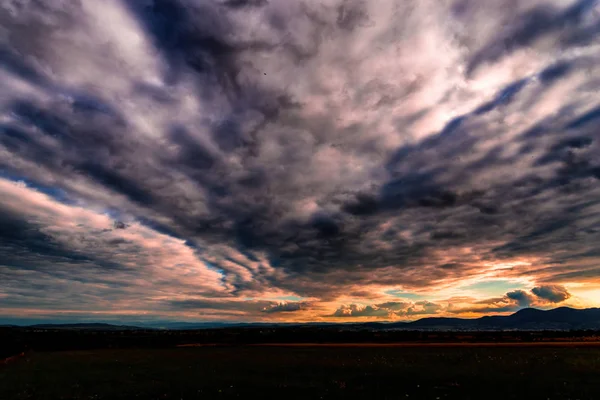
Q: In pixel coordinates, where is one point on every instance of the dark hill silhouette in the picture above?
(87, 326)
(525, 319)
(562, 318)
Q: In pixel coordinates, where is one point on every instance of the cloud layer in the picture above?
(256, 160)
(540, 297)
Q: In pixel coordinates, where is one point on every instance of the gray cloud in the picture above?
(522, 298)
(354, 310)
(539, 22)
(285, 307)
(389, 309)
(301, 149)
(244, 3)
(552, 293)
(242, 308)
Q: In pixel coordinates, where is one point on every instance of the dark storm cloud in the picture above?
(248, 306)
(278, 146)
(284, 307)
(245, 3)
(25, 245)
(535, 24)
(522, 298)
(552, 293)
(352, 14)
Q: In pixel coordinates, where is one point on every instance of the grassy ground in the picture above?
(307, 373)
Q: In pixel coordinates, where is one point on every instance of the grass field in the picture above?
(307, 372)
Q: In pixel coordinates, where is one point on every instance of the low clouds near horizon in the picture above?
(306, 160)
(540, 297)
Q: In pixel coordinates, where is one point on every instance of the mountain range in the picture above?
(563, 318)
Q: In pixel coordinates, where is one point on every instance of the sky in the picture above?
(287, 160)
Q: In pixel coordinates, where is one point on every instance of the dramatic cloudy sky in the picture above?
(283, 160)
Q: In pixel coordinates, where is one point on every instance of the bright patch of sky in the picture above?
(405, 295)
(493, 287)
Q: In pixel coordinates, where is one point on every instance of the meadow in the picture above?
(307, 372)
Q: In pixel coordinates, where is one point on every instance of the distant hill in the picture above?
(563, 318)
(191, 325)
(90, 326)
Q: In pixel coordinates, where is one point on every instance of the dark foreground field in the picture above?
(307, 373)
